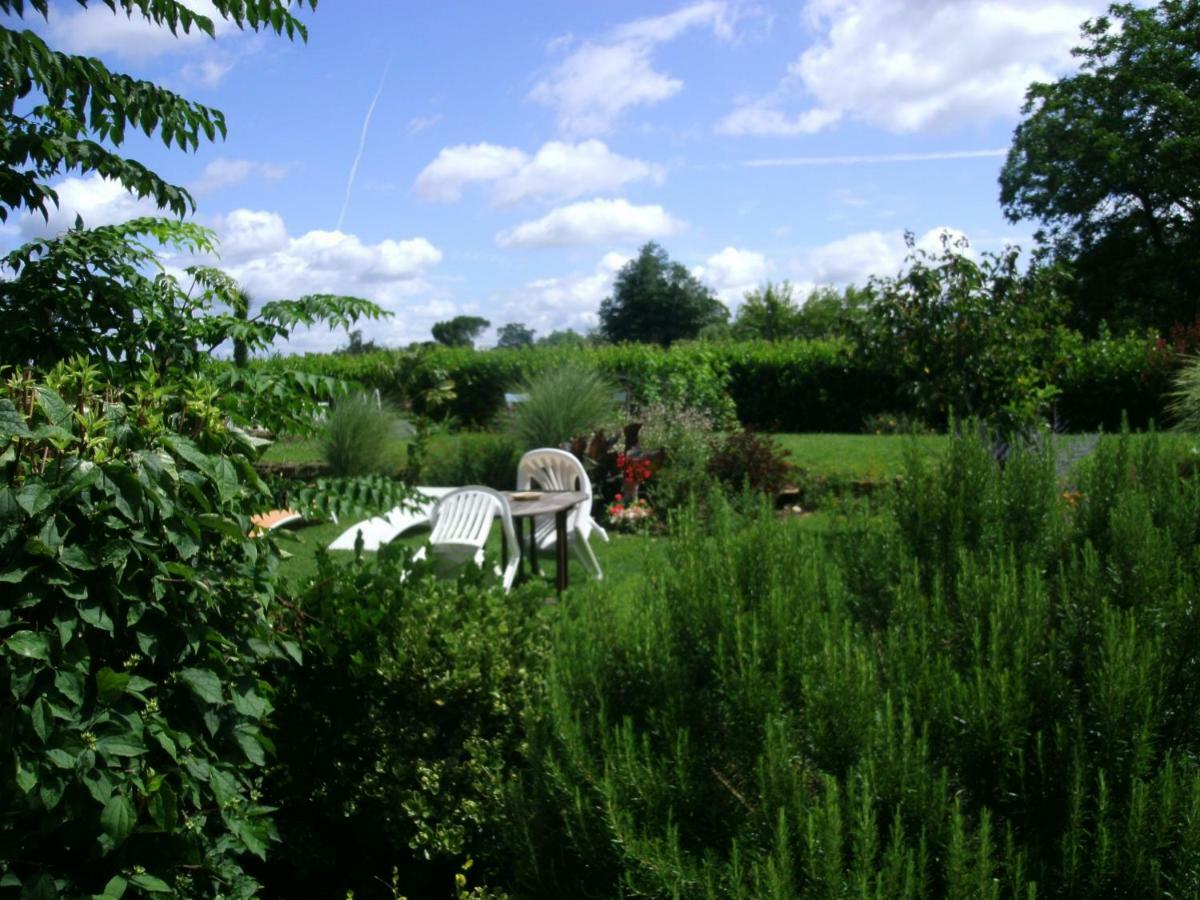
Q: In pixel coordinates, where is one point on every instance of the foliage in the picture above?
(746, 459)
(356, 346)
(827, 314)
(768, 313)
(131, 637)
(657, 301)
(562, 338)
(487, 459)
(1185, 398)
(976, 338)
(461, 331)
(564, 402)
(685, 434)
(1108, 159)
(514, 335)
(785, 386)
(58, 111)
(992, 694)
(358, 430)
(102, 294)
(399, 737)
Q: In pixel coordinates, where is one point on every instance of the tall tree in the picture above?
(461, 331)
(60, 112)
(658, 301)
(514, 335)
(1109, 160)
(769, 313)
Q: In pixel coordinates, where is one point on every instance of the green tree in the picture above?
(828, 313)
(515, 334)
(969, 338)
(1109, 160)
(461, 331)
(769, 313)
(566, 337)
(60, 112)
(657, 301)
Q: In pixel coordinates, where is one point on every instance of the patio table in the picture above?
(556, 503)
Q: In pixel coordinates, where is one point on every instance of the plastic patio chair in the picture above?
(557, 470)
(462, 520)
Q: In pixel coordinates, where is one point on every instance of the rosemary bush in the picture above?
(993, 692)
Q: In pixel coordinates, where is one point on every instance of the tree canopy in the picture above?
(514, 335)
(658, 301)
(461, 331)
(60, 112)
(768, 313)
(1109, 160)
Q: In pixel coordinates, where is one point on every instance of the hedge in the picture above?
(789, 386)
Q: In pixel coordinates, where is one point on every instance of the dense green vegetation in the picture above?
(980, 681)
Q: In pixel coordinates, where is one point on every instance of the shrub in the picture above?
(686, 434)
(358, 436)
(747, 459)
(487, 459)
(132, 636)
(1184, 404)
(994, 693)
(401, 735)
(564, 402)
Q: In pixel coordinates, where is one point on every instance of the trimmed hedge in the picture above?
(790, 386)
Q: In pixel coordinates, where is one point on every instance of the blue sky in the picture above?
(505, 160)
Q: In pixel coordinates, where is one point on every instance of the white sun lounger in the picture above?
(380, 530)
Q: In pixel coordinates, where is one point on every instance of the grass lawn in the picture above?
(856, 456)
(624, 557)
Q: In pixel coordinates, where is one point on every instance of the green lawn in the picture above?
(623, 557)
(856, 456)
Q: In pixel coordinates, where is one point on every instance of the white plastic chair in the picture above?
(462, 520)
(557, 470)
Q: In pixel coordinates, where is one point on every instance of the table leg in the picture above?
(560, 533)
(533, 554)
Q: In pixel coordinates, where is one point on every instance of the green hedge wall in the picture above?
(792, 386)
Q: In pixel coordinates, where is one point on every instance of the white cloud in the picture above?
(97, 31)
(223, 173)
(595, 84)
(856, 257)
(97, 200)
(910, 66)
(456, 167)
(269, 262)
(732, 272)
(572, 301)
(592, 222)
(558, 171)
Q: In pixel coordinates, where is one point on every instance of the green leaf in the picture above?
(163, 807)
(110, 685)
(34, 497)
(247, 738)
(12, 423)
(29, 644)
(115, 888)
(118, 818)
(120, 745)
(61, 758)
(204, 684)
(40, 717)
(150, 883)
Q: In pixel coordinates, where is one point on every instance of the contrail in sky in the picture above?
(362, 142)
(866, 160)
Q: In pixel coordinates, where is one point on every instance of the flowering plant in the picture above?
(634, 470)
(635, 516)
